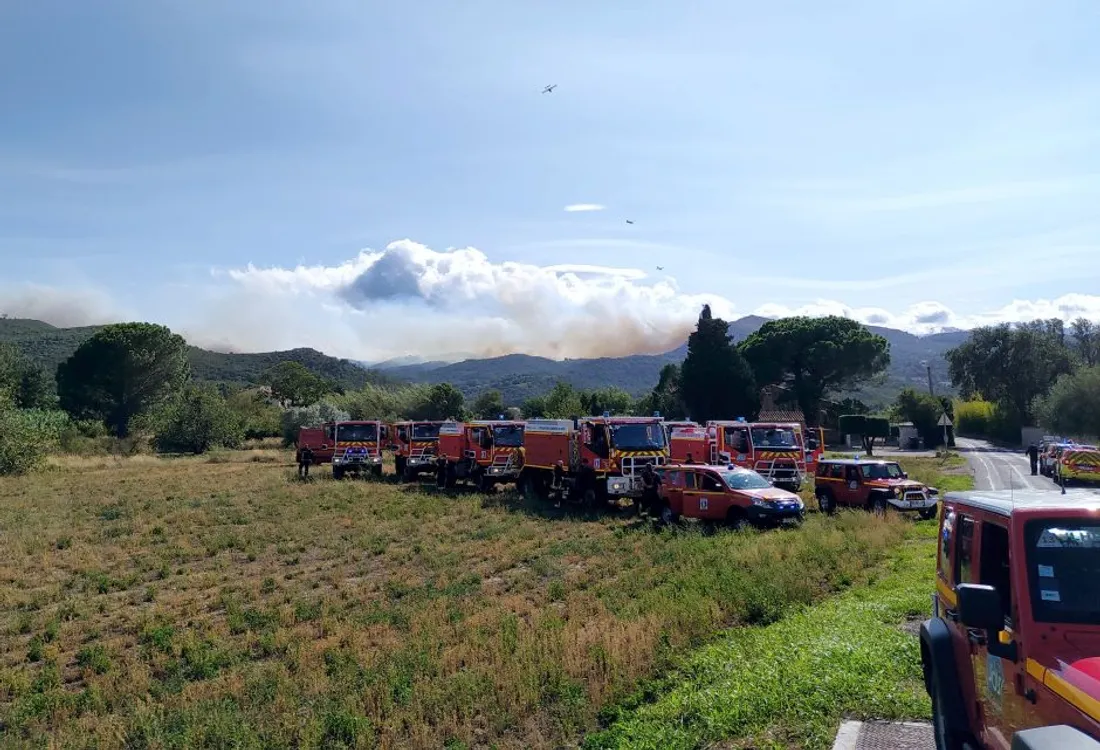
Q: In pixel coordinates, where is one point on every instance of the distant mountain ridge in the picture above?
(50, 346)
(520, 376)
(516, 376)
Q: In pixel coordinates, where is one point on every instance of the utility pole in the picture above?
(928, 367)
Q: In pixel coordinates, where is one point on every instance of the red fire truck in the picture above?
(776, 450)
(357, 448)
(352, 446)
(415, 447)
(671, 426)
(615, 449)
(485, 452)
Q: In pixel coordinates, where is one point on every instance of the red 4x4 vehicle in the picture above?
(721, 493)
(1014, 641)
(870, 483)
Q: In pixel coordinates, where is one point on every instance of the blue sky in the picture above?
(788, 156)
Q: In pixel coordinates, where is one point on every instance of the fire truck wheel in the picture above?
(376, 471)
(485, 484)
(337, 473)
(399, 466)
(825, 501)
(736, 519)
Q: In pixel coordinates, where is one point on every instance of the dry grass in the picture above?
(217, 602)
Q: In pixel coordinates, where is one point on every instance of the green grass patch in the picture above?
(789, 684)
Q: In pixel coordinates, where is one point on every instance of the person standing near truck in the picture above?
(305, 458)
(651, 498)
(1033, 458)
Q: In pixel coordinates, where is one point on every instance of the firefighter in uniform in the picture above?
(441, 472)
(1033, 458)
(305, 458)
(557, 485)
(586, 480)
(651, 498)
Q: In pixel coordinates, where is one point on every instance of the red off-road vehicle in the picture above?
(872, 484)
(1011, 655)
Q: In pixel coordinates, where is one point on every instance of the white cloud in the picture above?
(573, 207)
(410, 299)
(933, 317)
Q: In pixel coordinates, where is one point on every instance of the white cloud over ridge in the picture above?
(575, 207)
(411, 300)
(408, 299)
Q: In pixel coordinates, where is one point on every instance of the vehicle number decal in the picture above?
(703, 503)
(994, 676)
(1046, 571)
(1050, 596)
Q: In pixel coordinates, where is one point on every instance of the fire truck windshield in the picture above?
(773, 437)
(356, 433)
(425, 431)
(637, 437)
(508, 436)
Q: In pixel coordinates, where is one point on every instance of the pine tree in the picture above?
(715, 380)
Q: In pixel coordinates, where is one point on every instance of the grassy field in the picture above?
(219, 602)
(788, 685)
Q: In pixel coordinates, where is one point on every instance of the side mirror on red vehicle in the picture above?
(905, 475)
(980, 606)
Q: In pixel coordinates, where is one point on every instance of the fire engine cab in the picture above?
(415, 447)
(485, 452)
(775, 450)
(610, 451)
(357, 447)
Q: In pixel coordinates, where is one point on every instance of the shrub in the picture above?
(974, 418)
(197, 420)
(1073, 405)
(27, 436)
(297, 417)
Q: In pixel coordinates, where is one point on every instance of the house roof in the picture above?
(781, 415)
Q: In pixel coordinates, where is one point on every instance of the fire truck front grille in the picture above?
(634, 464)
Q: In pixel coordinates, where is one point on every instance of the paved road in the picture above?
(1000, 468)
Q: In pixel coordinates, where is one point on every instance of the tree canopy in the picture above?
(1073, 405)
(610, 399)
(868, 428)
(22, 382)
(1011, 365)
(811, 357)
(122, 371)
(196, 420)
(293, 384)
(715, 380)
(488, 405)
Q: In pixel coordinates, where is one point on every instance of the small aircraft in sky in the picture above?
(629, 221)
(550, 88)
(660, 268)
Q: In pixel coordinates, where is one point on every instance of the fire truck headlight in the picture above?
(616, 486)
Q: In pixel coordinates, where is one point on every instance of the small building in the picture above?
(908, 435)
